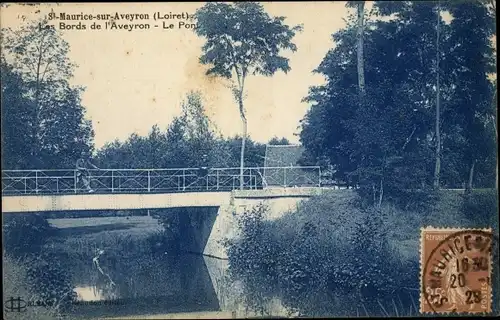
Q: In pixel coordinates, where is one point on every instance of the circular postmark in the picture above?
(456, 274)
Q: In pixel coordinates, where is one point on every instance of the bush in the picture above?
(252, 259)
(25, 236)
(25, 233)
(481, 207)
(329, 258)
(51, 280)
(174, 225)
(16, 284)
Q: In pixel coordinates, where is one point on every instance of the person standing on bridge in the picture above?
(82, 172)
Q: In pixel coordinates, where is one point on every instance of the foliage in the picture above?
(243, 38)
(251, 257)
(191, 140)
(25, 233)
(385, 143)
(38, 103)
(15, 284)
(51, 279)
(17, 110)
(482, 206)
(278, 142)
(24, 238)
(335, 257)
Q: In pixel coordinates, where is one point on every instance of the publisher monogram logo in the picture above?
(15, 305)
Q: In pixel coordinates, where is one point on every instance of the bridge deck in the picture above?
(83, 202)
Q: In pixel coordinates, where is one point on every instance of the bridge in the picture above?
(209, 199)
(119, 189)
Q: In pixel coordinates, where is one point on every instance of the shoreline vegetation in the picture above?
(312, 257)
(280, 258)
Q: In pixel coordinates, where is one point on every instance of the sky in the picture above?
(136, 79)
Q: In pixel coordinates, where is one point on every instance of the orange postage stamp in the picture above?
(456, 267)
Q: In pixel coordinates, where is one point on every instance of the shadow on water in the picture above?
(163, 285)
(120, 274)
(75, 231)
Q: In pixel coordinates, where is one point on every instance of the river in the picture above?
(121, 273)
(160, 287)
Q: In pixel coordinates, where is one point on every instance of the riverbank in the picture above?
(335, 256)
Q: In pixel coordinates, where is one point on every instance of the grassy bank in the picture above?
(16, 284)
(335, 257)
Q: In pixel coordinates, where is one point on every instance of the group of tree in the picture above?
(44, 123)
(43, 120)
(191, 140)
(408, 102)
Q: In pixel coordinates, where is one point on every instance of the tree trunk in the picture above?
(496, 176)
(495, 117)
(468, 187)
(361, 66)
(38, 109)
(243, 139)
(437, 168)
(381, 192)
(36, 124)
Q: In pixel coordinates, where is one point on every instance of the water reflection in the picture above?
(136, 283)
(90, 293)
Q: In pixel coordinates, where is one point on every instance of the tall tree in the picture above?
(491, 5)
(243, 40)
(57, 127)
(466, 68)
(277, 141)
(437, 168)
(360, 11)
(17, 114)
(494, 117)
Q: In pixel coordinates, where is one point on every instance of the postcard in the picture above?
(230, 160)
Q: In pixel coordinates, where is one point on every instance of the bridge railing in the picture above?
(156, 180)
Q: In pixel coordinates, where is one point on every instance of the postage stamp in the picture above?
(456, 267)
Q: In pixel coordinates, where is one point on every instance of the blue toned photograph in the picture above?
(249, 160)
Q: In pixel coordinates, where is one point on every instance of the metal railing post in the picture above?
(76, 179)
(284, 177)
(36, 181)
(183, 180)
(25, 185)
(149, 181)
(207, 180)
(112, 181)
(57, 184)
(217, 183)
(319, 177)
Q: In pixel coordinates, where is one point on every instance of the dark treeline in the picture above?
(190, 141)
(424, 114)
(43, 120)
